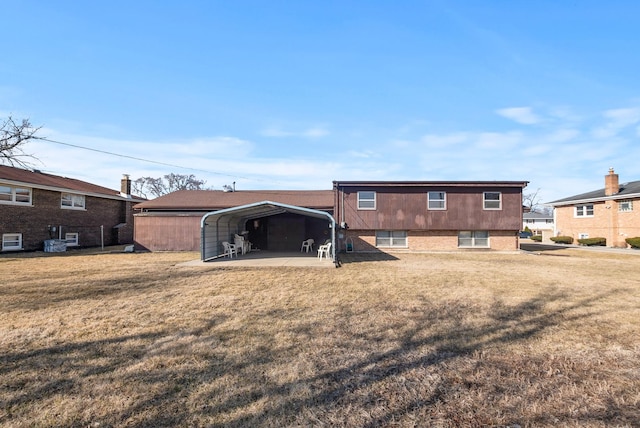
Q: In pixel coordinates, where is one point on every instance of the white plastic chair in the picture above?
(229, 249)
(324, 250)
(307, 245)
(240, 243)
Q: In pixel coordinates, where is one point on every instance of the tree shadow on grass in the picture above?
(410, 369)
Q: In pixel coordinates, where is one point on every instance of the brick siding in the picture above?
(33, 221)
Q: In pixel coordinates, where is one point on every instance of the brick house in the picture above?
(423, 215)
(172, 222)
(612, 212)
(35, 207)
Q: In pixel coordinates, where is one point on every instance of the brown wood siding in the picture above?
(406, 209)
(167, 233)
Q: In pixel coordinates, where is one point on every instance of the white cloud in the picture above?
(445, 140)
(617, 121)
(522, 115)
(312, 132)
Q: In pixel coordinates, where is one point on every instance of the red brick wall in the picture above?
(437, 240)
(607, 222)
(33, 221)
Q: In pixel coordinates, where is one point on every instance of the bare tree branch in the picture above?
(13, 136)
(156, 187)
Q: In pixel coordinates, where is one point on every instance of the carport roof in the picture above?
(212, 200)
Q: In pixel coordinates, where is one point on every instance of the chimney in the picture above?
(611, 184)
(125, 186)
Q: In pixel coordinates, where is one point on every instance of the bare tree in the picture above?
(155, 187)
(13, 136)
(531, 200)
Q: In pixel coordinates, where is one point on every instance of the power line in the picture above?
(141, 159)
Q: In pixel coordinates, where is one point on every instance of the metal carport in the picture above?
(219, 226)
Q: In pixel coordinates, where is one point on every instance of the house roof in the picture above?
(41, 180)
(430, 183)
(536, 216)
(210, 200)
(627, 190)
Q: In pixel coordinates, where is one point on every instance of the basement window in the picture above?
(11, 241)
(473, 239)
(391, 238)
(71, 239)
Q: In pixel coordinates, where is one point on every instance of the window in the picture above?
(71, 239)
(71, 201)
(11, 241)
(391, 238)
(583, 235)
(437, 201)
(366, 200)
(625, 206)
(15, 195)
(473, 239)
(584, 210)
(492, 200)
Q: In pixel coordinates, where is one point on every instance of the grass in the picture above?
(442, 340)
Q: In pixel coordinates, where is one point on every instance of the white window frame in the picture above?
(14, 196)
(625, 206)
(72, 239)
(396, 239)
(73, 201)
(583, 235)
(438, 202)
(490, 204)
(367, 203)
(15, 238)
(582, 211)
(474, 239)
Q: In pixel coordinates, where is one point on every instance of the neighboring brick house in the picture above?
(36, 207)
(173, 222)
(429, 215)
(538, 222)
(612, 213)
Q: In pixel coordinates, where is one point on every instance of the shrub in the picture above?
(562, 239)
(634, 242)
(592, 241)
(537, 238)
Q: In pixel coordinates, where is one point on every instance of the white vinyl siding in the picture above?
(366, 200)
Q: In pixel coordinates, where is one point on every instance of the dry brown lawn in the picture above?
(441, 340)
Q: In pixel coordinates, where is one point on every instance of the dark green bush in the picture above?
(634, 242)
(537, 238)
(593, 241)
(562, 239)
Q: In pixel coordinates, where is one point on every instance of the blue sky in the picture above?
(294, 95)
